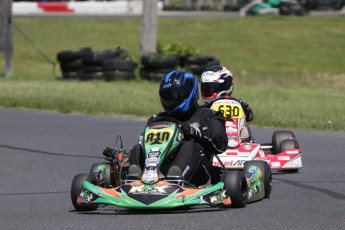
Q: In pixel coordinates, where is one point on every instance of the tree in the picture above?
(6, 36)
(149, 27)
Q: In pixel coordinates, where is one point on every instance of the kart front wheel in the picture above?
(236, 187)
(265, 173)
(109, 175)
(76, 187)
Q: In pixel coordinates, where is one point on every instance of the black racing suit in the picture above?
(193, 157)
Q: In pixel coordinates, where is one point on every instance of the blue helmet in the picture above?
(178, 92)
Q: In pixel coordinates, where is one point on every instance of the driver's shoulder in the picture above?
(207, 111)
(155, 117)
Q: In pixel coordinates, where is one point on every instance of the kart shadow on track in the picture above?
(280, 172)
(111, 211)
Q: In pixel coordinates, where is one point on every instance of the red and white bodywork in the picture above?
(240, 150)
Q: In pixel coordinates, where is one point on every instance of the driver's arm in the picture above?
(214, 134)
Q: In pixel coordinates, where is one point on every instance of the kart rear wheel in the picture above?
(265, 172)
(76, 187)
(278, 137)
(236, 187)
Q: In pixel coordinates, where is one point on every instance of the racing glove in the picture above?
(244, 104)
(247, 110)
(191, 131)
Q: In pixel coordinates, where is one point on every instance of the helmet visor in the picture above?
(209, 88)
(172, 97)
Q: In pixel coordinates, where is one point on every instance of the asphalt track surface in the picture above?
(40, 152)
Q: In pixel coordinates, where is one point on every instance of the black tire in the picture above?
(109, 178)
(71, 66)
(196, 60)
(211, 62)
(286, 145)
(265, 172)
(151, 75)
(196, 69)
(70, 55)
(98, 57)
(70, 75)
(202, 61)
(92, 68)
(198, 65)
(76, 187)
(119, 53)
(112, 75)
(162, 70)
(158, 61)
(90, 75)
(278, 137)
(90, 58)
(119, 64)
(236, 187)
(111, 54)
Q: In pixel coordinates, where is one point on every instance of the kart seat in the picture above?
(245, 134)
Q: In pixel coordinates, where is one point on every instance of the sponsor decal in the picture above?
(230, 124)
(86, 196)
(148, 189)
(247, 147)
(275, 164)
(237, 163)
(233, 141)
(292, 152)
(253, 176)
(208, 76)
(152, 160)
(229, 108)
(218, 197)
(232, 130)
(231, 152)
(150, 175)
(254, 190)
(195, 125)
(157, 137)
(185, 170)
(283, 158)
(160, 126)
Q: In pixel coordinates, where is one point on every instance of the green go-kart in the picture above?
(154, 190)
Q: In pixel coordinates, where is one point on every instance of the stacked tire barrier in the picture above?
(71, 62)
(115, 69)
(155, 66)
(86, 64)
(197, 65)
(112, 64)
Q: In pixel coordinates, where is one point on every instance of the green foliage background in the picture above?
(291, 70)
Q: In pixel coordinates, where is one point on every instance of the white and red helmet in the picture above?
(216, 81)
